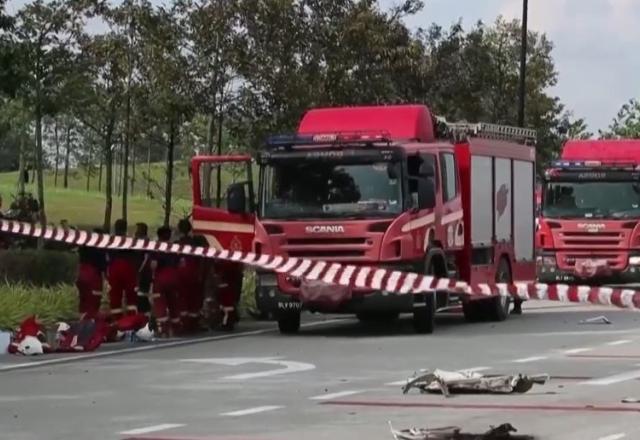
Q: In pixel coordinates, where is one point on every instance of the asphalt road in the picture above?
(340, 379)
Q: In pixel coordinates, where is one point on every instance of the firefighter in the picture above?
(167, 305)
(190, 285)
(90, 278)
(122, 277)
(144, 272)
(229, 289)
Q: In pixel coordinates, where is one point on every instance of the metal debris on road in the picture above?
(630, 400)
(597, 320)
(502, 432)
(459, 382)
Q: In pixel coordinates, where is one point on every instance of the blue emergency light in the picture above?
(290, 140)
(591, 164)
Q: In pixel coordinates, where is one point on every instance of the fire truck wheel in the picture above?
(289, 323)
(424, 316)
(472, 310)
(499, 306)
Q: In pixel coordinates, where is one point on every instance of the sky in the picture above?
(597, 45)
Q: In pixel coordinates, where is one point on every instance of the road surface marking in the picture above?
(336, 395)
(529, 359)
(469, 370)
(107, 353)
(616, 378)
(7, 399)
(248, 411)
(614, 436)
(578, 350)
(154, 428)
(620, 342)
(287, 366)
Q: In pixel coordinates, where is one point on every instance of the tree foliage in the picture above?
(162, 82)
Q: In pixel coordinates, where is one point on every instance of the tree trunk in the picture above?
(89, 171)
(100, 173)
(21, 166)
(219, 172)
(40, 163)
(149, 170)
(133, 166)
(66, 158)
(125, 161)
(169, 177)
(108, 159)
(118, 161)
(57, 142)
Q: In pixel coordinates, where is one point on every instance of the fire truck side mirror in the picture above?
(236, 199)
(426, 193)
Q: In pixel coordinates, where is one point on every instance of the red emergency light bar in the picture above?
(290, 140)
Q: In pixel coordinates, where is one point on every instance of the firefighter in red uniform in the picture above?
(90, 276)
(229, 289)
(144, 272)
(167, 303)
(122, 276)
(190, 283)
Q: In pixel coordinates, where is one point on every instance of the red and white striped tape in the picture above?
(365, 277)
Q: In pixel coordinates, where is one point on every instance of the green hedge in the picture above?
(38, 267)
(51, 304)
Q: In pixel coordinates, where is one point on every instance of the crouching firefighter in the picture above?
(92, 267)
(167, 304)
(229, 289)
(122, 276)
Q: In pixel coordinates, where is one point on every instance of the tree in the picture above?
(104, 94)
(46, 34)
(168, 84)
(626, 124)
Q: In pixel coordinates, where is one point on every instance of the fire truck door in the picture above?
(224, 201)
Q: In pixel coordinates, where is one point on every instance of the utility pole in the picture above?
(523, 63)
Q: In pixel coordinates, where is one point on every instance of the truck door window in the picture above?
(413, 168)
(449, 177)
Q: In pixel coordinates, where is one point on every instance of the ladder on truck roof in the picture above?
(462, 130)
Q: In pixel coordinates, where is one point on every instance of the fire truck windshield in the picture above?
(620, 199)
(330, 189)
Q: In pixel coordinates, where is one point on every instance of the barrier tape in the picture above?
(363, 277)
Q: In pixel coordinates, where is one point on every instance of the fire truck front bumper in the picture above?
(548, 272)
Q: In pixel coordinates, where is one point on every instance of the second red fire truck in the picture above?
(385, 186)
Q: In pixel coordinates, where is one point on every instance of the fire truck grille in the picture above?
(589, 241)
(328, 248)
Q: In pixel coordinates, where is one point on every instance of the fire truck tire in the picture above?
(289, 323)
(498, 307)
(424, 316)
(472, 311)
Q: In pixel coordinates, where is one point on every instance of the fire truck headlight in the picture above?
(634, 260)
(546, 261)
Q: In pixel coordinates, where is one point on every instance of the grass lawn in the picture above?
(85, 209)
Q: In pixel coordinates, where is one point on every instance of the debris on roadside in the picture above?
(502, 432)
(597, 320)
(631, 400)
(460, 382)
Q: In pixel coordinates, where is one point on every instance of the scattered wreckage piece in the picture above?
(460, 382)
(502, 432)
(597, 320)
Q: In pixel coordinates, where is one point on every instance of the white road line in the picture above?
(154, 428)
(336, 395)
(578, 350)
(397, 383)
(475, 369)
(616, 378)
(614, 436)
(248, 411)
(529, 359)
(107, 353)
(620, 342)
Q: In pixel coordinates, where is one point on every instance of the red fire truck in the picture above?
(589, 230)
(386, 186)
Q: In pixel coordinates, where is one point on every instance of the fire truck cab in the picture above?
(589, 231)
(383, 186)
